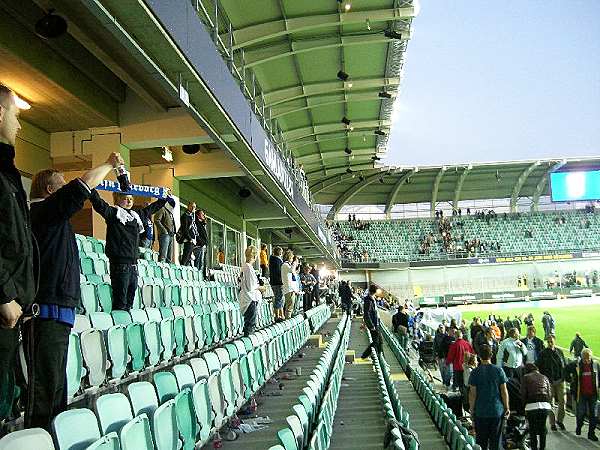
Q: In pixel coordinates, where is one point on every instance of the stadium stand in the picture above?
(540, 232)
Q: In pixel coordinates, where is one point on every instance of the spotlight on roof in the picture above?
(343, 75)
(190, 149)
(51, 26)
(347, 151)
(21, 103)
(244, 192)
(392, 34)
(384, 95)
(346, 4)
(346, 121)
(380, 132)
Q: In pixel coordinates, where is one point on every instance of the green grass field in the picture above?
(582, 319)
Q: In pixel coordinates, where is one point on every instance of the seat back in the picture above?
(114, 411)
(109, 441)
(164, 426)
(287, 439)
(32, 438)
(166, 386)
(75, 429)
(186, 418)
(184, 375)
(296, 428)
(143, 398)
(136, 434)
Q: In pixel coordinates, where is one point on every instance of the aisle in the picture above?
(359, 423)
(277, 403)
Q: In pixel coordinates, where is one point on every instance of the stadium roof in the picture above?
(389, 185)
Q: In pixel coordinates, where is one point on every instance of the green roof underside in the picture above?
(296, 49)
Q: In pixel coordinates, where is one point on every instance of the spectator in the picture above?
(469, 364)
(17, 289)
(250, 291)
(486, 338)
(552, 364)
(584, 377)
(187, 234)
(510, 353)
(496, 330)
(264, 260)
(307, 282)
(533, 344)
(476, 328)
(508, 324)
(516, 323)
(165, 224)
(201, 242)
(345, 292)
(400, 326)
(548, 324)
(456, 357)
(123, 226)
(447, 341)
(577, 345)
(316, 290)
(289, 289)
(488, 401)
(536, 395)
(371, 320)
(221, 256)
(147, 235)
(46, 337)
(276, 282)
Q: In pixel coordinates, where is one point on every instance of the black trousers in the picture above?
(200, 261)
(186, 256)
(376, 343)
(307, 301)
(9, 341)
(537, 428)
(250, 318)
(46, 343)
(124, 282)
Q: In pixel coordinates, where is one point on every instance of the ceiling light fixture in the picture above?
(349, 85)
(392, 34)
(343, 75)
(167, 154)
(190, 149)
(384, 95)
(51, 26)
(20, 102)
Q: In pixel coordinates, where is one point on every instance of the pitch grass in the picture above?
(582, 319)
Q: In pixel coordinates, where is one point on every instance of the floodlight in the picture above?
(343, 75)
(346, 121)
(384, 95)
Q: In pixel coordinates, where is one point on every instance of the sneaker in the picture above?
(553, 427)
(561, 425)
(593, 437)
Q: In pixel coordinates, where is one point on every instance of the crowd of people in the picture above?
(497, 371)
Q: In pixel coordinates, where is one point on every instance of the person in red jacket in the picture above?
(456, 356)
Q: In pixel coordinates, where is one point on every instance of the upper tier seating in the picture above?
(399, 240)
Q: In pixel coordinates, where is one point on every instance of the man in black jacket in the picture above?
(533, 344)
(371, 319)
(46, 337)
(17, 283)
(201, 242)
(345, 292)
(552, 363)
(123, 226)
(187, 234)
(275, 263)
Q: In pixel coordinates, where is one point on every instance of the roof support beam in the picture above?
(332, 170)
(541, 186)
(459, 185)
(255, 34)
(328, 137)
(357, 152)
(282, 111)
(394, 193)
(277, 51)
(303, 132)
(436, 188)
(327, 87)
(347, 196)
(518, 185)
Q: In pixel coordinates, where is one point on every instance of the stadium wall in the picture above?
(489, 278)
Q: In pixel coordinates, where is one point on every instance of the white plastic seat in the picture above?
(184, 375)
(143, 398)
(136, 434)
(75, 429)
(93, 350)
(109, 441)
(164, 427)
(199, 367)
(32, 438)
(114, 411)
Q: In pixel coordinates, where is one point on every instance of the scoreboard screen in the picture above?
(575, 186)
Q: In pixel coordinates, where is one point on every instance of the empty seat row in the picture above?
(455, 434)
(106, 347)
(183, 407)
(311, 425)
(318, 316)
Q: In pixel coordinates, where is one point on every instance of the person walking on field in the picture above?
(548, 324)
(552, 364)
(577, 346)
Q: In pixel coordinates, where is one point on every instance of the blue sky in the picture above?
(497, 81)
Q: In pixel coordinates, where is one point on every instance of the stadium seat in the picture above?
(75, 429)
(296, 427)
(114, 411)
(32, 438)
(166, 386)
(136, 434)
(142, 396)
(205, 415)
(116, 343)
(186, 419)
(287, 439)
(164, 427)
(109, 441)
(93, 349)
(75, 369)
(184, 375)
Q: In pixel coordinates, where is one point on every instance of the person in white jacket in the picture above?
(289, 285)
(250, 291)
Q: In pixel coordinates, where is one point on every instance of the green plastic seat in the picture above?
(202, 406)
(186, 419)
(287, 439)
(184, 375)
(142, 396)
(164, 427)
(75, 369)
(75, 429)
(136, 434)
(88, 298)
(166, 386)
(104, 294)
(114, 411)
